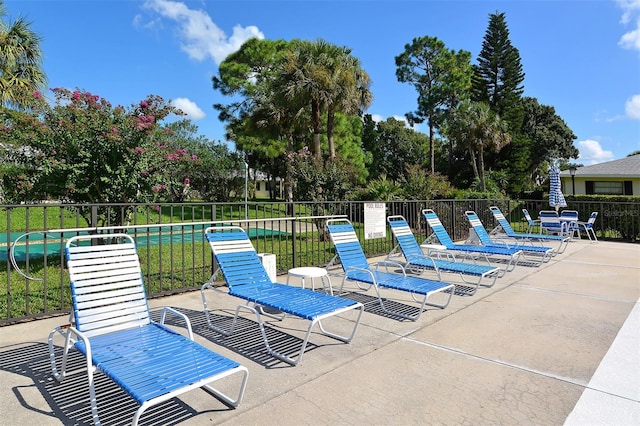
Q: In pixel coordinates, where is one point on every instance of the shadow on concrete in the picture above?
(69, 400)
(246, 340)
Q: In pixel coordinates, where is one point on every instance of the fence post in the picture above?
(294, 245)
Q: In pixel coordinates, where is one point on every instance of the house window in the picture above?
(609, 188)
(258, 186)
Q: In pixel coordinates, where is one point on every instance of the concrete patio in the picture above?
(557, 344)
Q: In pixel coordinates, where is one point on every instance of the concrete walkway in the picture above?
(557, 344)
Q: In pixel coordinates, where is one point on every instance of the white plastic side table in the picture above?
(437, 250)
(311, 272)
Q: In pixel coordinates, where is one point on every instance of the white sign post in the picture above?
(374, 220)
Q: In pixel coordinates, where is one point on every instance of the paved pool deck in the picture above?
(549, 345)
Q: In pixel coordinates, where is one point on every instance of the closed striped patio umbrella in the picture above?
(556, 198)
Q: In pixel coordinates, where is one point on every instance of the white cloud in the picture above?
(631, 40)
(629, 6)
(631, 15)
(632, 107)
(200, 37)
(189, 107)
(591, 152)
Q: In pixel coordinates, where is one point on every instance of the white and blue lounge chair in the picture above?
(471, 251)
(505, 226)
(531, 222)
(247, 279)
(542, 253)
(588, 226)
(111, 327)
(356, 268)
(439, 260)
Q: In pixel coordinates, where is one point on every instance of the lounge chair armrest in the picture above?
(508, 242)
(169, 310)
(388, 263)
(418, 258)
(354, 268)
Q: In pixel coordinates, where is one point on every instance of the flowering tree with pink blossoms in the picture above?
(84, 150)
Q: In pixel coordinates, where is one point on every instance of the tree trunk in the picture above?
(315, 118)
(474, 164)
(484, 185)
(330, 125)
(432, 150)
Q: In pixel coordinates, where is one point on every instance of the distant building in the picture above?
(263, 185)
(617, 177)
(260, 186)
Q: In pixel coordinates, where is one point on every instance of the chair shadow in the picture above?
(69, 401)
(246, 340)
(372, 305)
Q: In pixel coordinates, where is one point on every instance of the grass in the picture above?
(25, 218)
(167, 268)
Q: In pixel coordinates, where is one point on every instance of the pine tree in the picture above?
(498, 76)
(498, 80)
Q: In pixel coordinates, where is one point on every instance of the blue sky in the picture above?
(581, 57)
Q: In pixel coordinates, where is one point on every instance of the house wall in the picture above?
(263, 192)
(581, 188)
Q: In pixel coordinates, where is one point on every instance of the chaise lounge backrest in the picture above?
(239, 261)
(106, 286)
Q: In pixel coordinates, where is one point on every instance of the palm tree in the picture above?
(21, 73)
(491, 133)
(350, 90)
(308, 71)
(474, 126)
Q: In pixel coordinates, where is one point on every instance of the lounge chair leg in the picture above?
(340, 337)
(225, 399)
(62, 330)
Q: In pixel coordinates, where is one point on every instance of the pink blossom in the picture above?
(187, 181)
(144, 104)
(157, 208)
(114, 130)
(194, 157)
(163, 186)
(156, 188)
(76, 95)
(138, 150)
(37, 94)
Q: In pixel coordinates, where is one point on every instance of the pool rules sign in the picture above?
(374, 220)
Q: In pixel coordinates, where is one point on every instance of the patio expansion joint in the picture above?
(608, 265)
(499, 362)
(571, 293)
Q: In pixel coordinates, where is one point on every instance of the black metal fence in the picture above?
(175, 258)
